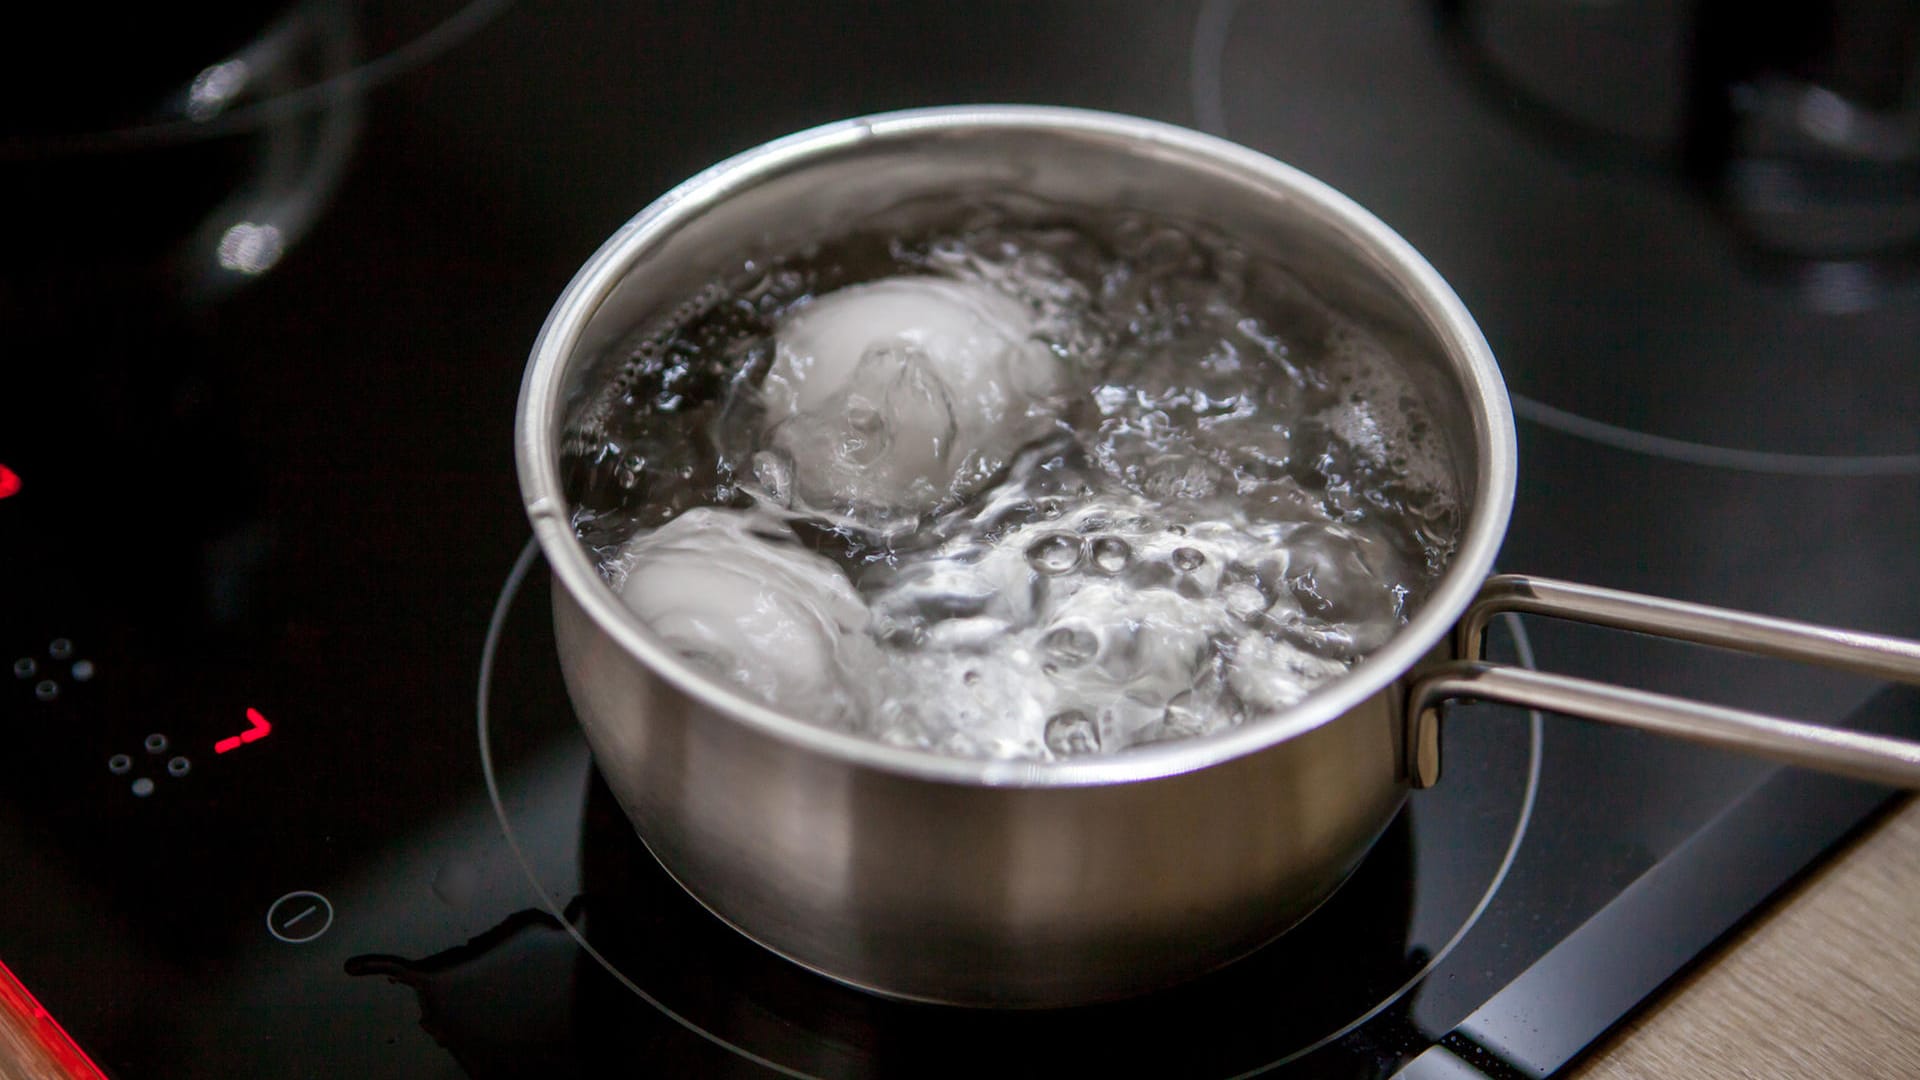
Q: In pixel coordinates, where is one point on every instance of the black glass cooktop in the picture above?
(260, 526)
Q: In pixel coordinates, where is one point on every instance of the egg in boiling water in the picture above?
(891, 397)
(774, 619)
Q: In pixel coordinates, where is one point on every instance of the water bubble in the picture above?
(1184, 717)
(1070, 646)
(1245, 600)
(1071, 733)
(1330, 641)
(774, 472)
(865, 439)
(630, 472)
(1001, 510)
(1166, 250)
(1307, 594)
(863, 418)
(1110, 554)
(1055, 553)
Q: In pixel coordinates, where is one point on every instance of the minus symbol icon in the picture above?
(299, 917)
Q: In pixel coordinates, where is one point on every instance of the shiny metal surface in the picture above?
(1014, 895)
(1037, 884)
(992, 882)
(1847, 650)
(1875, 758)
(1894, 762)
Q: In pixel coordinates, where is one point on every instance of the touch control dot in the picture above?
(46, 689)
(178, 766)
(25, 668)
(60, 648)
(82, 670)
(156, 743)
(142, 787)
(119, 764)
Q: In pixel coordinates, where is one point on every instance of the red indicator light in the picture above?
(258, 731)
(37, 1039)
(9, 482)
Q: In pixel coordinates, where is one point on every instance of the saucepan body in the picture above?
(991, 882)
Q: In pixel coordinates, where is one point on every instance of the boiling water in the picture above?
(1025, 488)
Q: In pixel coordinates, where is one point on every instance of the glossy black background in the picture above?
(296, 493)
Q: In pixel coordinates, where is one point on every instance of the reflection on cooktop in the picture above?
(1345, 978)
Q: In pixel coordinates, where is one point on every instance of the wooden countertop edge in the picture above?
(1826, 983)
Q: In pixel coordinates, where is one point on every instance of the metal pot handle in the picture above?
(1877, 758)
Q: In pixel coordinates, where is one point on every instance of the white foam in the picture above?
(1382, 417)
(1111, 624)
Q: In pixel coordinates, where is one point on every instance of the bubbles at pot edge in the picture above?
(1224, 508)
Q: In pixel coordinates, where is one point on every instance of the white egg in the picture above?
(769, 616)
(893, 396)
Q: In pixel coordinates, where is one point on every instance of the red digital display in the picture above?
(259, 730)
(9, 482)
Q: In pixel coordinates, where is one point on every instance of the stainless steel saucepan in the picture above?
(1036, 884)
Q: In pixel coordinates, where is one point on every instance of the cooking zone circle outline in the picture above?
(1206, 87)
(503, 605)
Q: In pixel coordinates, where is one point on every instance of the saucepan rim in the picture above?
(538, 419)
